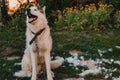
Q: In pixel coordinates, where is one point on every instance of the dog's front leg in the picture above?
(34, 65)
(48, 65)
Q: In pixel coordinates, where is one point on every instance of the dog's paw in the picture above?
(29, 74)
(53, 75)
(33, 78)
(50, 79)
(22, 74)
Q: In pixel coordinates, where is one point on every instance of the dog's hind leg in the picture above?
(25, 65)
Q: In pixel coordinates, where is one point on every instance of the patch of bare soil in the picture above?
(6, 51)
(1, 24)
(72, 52)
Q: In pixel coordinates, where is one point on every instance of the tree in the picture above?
(5, 17)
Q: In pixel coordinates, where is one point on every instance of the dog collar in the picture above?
(36, 34)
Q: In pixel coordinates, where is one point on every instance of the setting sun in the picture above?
(14, 5)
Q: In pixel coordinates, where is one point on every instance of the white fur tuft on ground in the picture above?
(22, 74)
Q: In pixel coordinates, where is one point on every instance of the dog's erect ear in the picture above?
(43, 9)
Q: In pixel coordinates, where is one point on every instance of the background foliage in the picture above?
(74, 14)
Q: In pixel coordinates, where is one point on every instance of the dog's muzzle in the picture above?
(31, 17)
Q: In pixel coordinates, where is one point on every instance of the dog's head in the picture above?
(34, 14)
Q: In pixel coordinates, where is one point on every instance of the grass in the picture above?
(86, 41)
(12, 43)
(8, 36)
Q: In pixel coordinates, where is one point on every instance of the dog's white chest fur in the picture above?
(42, 42)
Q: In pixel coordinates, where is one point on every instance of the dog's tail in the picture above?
(57, 63)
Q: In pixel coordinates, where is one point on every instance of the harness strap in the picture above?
(36, 34)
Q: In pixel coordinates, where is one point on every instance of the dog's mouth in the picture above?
(31, 17)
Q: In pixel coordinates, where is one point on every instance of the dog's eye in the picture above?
(35, 9)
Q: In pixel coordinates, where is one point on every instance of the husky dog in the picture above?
(38, 46)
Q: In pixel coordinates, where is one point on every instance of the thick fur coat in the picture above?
(36, 56)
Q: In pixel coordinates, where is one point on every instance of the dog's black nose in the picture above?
(28, 10)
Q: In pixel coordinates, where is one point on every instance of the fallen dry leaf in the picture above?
(72, 52)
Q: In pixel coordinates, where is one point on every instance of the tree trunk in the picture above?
(5, 17)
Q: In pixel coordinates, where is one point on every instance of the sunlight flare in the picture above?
(14, 5)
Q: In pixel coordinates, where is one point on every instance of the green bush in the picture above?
(87, 18)
(18, 22)
(117, 19)
(72, 18)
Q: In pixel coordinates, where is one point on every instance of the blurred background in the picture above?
(65, 14)
(89, 29)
